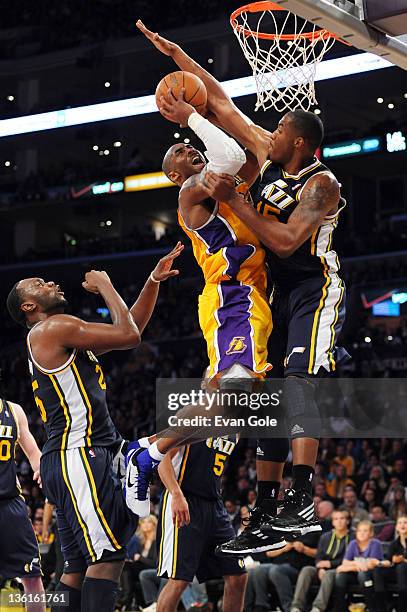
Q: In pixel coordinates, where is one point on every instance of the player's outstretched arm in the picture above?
(143, 308)
(320, 196)
(226, 113)
(179, 505)
(26, 440)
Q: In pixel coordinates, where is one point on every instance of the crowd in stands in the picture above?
(365, 477)
(43, 25)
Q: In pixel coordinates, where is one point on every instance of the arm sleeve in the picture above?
(223, 153)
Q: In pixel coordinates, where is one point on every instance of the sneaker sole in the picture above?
(295, 530)
(248, 551)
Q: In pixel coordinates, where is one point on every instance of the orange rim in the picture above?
(258, 7)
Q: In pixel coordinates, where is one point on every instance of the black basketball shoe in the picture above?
(296, 518)
(252, 540)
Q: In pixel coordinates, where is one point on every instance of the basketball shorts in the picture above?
(19, 554)
(189, 551)
(94, 523)
(307, 321)
(236, 322)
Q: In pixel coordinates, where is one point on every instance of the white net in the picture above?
(283, 51)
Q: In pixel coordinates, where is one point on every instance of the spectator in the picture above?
(337, 480)
(283, 572)
(398, 506)
(351, 504)
(324, 513)
(330, 553)
(393, 569)
(383, 528)
(369, 499)
(344, 459)
(361, 557)
(233, 511)
(399, 470)
(141, 554)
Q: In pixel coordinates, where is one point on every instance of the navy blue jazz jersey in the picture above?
(94, 522)
(308, 297)
(19, 555)
(9, 486)
(72, 402)
(190, 551)
(278, 195)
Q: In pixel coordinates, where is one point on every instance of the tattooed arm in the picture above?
(319, 198)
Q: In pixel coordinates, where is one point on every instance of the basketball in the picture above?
(195, 90)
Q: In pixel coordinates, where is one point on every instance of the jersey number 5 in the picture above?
(219, 464)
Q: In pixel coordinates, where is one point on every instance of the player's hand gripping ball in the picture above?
(193, 89)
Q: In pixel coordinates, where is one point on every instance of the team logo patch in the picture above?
(241, 563)
(237, 345)
(92, 453)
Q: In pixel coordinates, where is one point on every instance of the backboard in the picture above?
(349, 21)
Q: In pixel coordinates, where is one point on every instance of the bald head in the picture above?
(168, 165)
(325, 509)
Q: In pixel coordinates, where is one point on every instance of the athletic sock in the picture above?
(67, 595)
(302, 478)
(155, 453)
(99, 595)
(267, 495)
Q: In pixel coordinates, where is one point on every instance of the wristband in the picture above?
(195, 119)
(151, 277)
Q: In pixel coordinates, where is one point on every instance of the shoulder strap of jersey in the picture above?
(264, 167)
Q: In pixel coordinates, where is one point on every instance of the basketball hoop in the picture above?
(284, 59)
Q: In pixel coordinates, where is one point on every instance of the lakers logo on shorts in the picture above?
(237, 345)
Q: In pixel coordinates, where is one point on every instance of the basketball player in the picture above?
(69, 388)
(19, 554)
(234, 314)
(296, 211)
(193, 522)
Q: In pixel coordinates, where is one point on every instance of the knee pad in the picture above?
(301, 410)
(272, 449)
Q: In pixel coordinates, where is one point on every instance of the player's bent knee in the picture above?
(176, 586)
(302, 413)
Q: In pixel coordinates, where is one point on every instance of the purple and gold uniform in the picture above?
(234, 314)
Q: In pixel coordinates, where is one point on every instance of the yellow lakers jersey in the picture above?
(226, 249)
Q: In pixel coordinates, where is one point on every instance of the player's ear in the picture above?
(174, 176)
(299, 142)
(28, 307)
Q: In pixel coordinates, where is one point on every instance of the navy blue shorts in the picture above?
(189, 551)
(19, 554)
(94, 522)
(307, 320)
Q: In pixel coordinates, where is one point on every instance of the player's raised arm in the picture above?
(226, 113)
(143, 307)
(26, 440)
(319, 197)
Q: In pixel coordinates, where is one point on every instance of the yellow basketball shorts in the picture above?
(236, 323)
